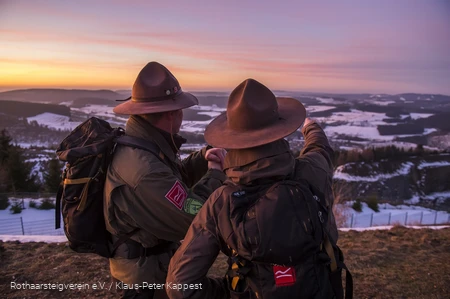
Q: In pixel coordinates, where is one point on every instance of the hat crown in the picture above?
(251, 105)
(154, 83)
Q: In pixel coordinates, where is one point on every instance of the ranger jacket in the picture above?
(205, 238)
(158, 195)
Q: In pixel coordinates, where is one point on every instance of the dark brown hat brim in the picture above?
(181, 101)
(291, 113)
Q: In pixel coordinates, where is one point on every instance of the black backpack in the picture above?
(87, 151)
(282, 240)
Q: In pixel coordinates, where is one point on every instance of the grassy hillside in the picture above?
(399, 263)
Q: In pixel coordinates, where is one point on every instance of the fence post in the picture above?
(389, 221)
(21, 223)
(371, 219)
(406, 219)
(435, 218)
(421, 217)
(351, 223)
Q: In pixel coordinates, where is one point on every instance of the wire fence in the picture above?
(18, 226)
(397, 218)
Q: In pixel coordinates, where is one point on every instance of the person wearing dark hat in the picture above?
(262, 171)
(151, 198)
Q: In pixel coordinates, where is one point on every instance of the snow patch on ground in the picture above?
(433, 164)
(54, 121)
(319, 108)
(340, 175)
(420, 115)
(360, 229)
(382, 103)
(326, 100)
(33, 238)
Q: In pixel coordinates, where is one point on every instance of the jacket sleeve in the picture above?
(317, 150)
(317, 167)
(194, 166)
(191, 262)
(163, 205)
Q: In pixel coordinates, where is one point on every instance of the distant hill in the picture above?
(104, 97)
(23, 109)
(57, 96)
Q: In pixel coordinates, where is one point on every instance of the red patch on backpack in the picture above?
(177, 195)
(284, 276)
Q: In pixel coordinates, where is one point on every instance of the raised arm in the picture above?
(197, 164)
(316, 150)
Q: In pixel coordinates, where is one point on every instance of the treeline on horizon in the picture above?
(375, 154)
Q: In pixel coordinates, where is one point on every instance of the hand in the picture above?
(215, 157)
(308, 121)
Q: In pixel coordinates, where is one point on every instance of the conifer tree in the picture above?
(52, 176)
(21, 178)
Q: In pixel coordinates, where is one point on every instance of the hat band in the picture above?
(157, 99)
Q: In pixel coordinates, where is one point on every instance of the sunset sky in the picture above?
(321, 46)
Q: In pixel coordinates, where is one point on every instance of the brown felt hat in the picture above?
(254, 117)
(156, 90)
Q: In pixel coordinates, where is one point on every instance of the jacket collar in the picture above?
(138, 127)
(269, 161)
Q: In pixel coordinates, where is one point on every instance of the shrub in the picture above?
(33, 204)
(4, 202)
(46, 204)
(357, 206)
(16, 207)
(372, 202)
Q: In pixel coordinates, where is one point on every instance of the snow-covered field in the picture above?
(54, 121)
(356, 123)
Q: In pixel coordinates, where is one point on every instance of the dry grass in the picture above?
(400, 263)
(341, 194)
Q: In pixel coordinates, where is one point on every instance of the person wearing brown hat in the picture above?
(151, 198)
(249, 219)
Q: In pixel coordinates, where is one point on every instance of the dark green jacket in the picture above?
(160, 195)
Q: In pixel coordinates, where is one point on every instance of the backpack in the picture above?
(87, 151)
(283, 247)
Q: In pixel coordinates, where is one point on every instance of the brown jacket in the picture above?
(158, 195)
(205, 238)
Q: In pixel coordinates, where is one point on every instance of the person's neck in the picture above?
(175, 141)
(163, 127)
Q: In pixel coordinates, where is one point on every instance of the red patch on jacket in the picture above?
(284, 276)
(177, 195)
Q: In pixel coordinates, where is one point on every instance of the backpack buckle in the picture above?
(320, 216)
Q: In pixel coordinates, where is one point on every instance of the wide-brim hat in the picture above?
(254, 117)
(155, 90)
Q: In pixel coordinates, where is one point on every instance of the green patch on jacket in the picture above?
(192, 206)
